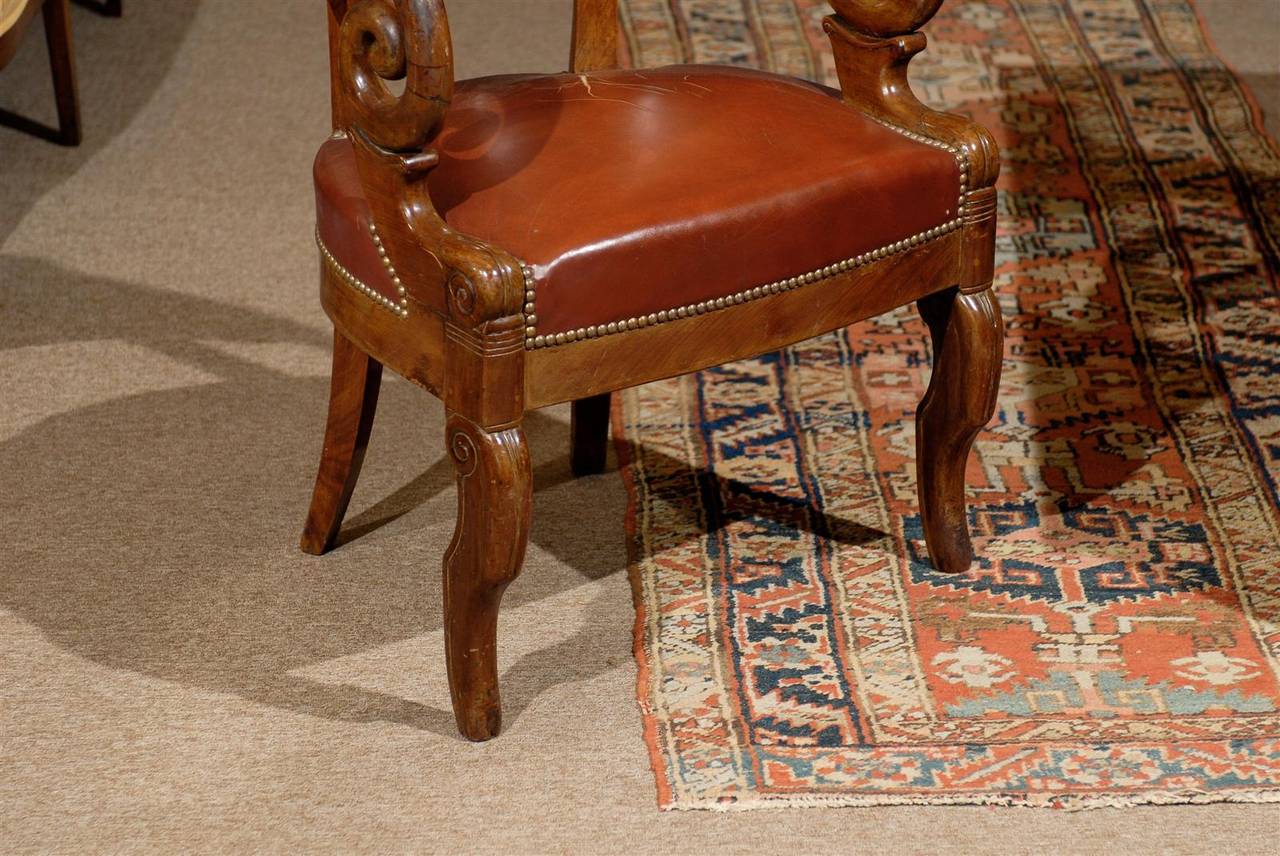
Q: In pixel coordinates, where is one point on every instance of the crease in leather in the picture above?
(633, 192)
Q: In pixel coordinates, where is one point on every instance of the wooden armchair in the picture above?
(512, 242)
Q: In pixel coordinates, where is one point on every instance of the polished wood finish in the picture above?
(62, 66)
(413, 347)
(376, 47)
(595, 35)
(589, 434)
(495, 495)
(968, 337)
(353, 400)
(461, 335)
(873, 79)
(62, 63)
(336, 10)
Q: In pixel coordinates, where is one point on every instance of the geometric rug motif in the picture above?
(1117, 641)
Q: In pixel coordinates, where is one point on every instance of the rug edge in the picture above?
(640, 652)
(1070, 802)
(1258, 115)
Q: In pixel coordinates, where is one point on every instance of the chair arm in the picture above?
(443, 270)
(873, 42)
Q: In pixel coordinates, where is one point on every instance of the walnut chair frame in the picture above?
(460, 328)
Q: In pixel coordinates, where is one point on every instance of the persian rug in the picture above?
(1117, 642)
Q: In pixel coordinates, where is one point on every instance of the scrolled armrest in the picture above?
(376, 41)
(383, 40)
(873, 41)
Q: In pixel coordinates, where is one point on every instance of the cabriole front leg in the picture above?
(494, 499)
(968, 343)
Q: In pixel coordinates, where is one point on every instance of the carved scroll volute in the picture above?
(885, 18)
(377, 41)
(383, 40)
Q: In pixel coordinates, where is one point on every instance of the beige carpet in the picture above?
(174, 674)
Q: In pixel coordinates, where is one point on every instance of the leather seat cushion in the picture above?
(633, 192)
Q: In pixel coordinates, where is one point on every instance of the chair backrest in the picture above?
(375, 41)
(595, 31)
(594, 44)
(595, 35)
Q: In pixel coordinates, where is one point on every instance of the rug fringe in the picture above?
(1062, 802)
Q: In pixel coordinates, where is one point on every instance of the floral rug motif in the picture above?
(1118, 641)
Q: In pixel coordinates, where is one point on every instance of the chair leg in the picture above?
(589, 434)
(495, 495)
(968, 343)
(353, 400)
(62, 62)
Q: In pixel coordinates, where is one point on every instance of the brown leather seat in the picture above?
(630, 193)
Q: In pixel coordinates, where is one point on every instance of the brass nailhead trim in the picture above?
(962, 157)
(530, 319)
(533, 339)
(595, 331)
(399, 307)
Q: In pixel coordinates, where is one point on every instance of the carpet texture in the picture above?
(1118, 640)
(175, 676)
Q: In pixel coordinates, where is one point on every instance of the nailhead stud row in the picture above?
(596, 330)
(533, 340)
(530, 318)
(400, 309)
(961, 156)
